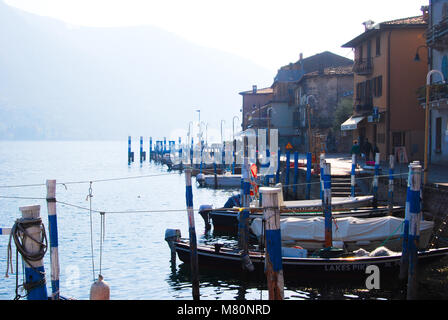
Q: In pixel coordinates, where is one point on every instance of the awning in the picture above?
(351, 123)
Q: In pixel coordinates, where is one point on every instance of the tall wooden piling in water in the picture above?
(353, 176)
(34, 267)
(415, 216)
(309, 163)
(296, 174)
(273, 262)
(277, 175)
(390, 193)
(53, 230)
(375, 180)
(192, 234)
(326, 204)
(288, 165)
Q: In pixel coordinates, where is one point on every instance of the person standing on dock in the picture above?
(356, 150)
(367, 149)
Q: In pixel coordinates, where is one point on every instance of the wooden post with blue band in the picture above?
(309, 160)
(273, 260)
(415, 217)
(129, 151)
(321, 164)
(353, 176)
(296, 174)
(288, 165)
(150, 148)
(35, 282)
(390, 193)
(404, 260)
(53, 228)
(326, 204)
(375, 180)
(277, 175)
(192, 233)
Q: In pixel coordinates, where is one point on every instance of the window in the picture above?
(378, 46)
(398, 139)
(438, 135)
(378, 86)
(360, 52)
(295, 119)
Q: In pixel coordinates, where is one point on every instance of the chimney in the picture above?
(368, 25)
(300, 57)
(254, 89)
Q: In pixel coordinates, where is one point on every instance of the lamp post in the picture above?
(233, 126)
(428, 83)
(221, 129)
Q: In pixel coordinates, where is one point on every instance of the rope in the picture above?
(89, 197)
(387, 239)
(102, 236)
(20, 235)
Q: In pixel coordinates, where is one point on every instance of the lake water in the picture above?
(135, 258)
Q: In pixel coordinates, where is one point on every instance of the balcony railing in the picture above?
(438, 91)
(437, 35)
(363, 66)
(364, 106)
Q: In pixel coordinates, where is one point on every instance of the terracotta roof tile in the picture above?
(409, 20)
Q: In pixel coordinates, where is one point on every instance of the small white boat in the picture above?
(349, 232)
(227, 180)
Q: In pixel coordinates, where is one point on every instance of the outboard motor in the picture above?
(200, 179)
(203, 211)
(172, 236)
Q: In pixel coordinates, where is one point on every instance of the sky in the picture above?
(268, 33)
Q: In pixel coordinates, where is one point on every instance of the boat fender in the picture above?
(100, 290)
(381, 252)
(361, 253)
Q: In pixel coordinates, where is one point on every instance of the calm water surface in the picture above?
(135, 258)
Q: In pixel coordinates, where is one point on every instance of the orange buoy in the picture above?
(100, 290)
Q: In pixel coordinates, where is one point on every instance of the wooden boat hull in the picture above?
(308, 270)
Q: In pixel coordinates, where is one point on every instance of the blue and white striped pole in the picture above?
(415, 217)
(296, 173)
(391, 183)
(277, 175)
(34, 270)
(164, 145)
(321, 164)
(141, 149)
(288, 165)
(326, 204)
(129, 150)
(353, 176)
(375, 180)
(150, 148)
(53, 228)
(309, 163)
(192, 233)
(273, 260)
(404, 262)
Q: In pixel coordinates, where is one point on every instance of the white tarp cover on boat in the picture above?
(351, 123)
(344, 229)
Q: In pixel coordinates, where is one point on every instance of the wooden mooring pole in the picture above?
(353, 176)
(375, 180)
(390, 195)
(415, 216)
(288, 165)
(34, 269)
(53, 228)
(273, 263)
(309, 163)
(296, 174)
(192, 233)
(326, 204)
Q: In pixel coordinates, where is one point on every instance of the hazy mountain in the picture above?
(60, 82)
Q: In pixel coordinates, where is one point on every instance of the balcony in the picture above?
(363, 67)
(437, 35)
(363, 106)
(438, 95)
